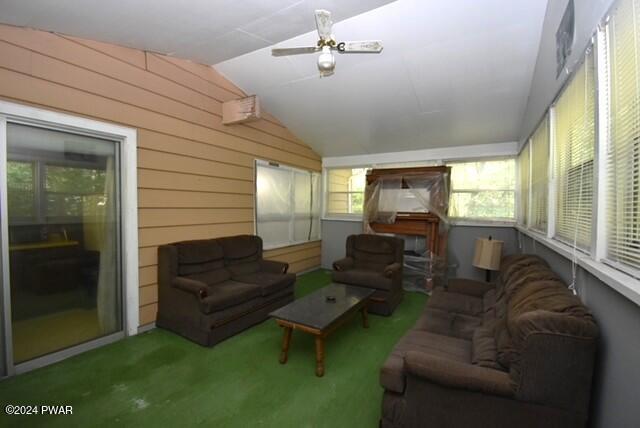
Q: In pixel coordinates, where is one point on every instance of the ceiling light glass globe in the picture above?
(326, 60)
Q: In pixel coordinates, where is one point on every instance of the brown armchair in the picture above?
(374, 261)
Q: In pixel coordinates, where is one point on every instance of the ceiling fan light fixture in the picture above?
(326, 61)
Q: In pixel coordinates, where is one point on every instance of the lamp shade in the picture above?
(488, 254)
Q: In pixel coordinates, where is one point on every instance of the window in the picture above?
(483, 190)
(539, 176)
(574, 154)
(623, 152)
(287, 205)
(345, 192)
(21, 192)
(523, 168)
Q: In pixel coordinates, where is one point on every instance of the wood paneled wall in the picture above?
(195, 175)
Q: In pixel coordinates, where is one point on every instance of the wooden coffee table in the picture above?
(317, 315)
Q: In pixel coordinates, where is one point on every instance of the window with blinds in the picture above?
(623, 152)
(523, 167)
(539, 176)
(574, 154)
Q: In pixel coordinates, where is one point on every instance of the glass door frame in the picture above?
(126, 139)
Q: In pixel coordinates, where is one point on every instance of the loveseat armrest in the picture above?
(343, 264)
(392, 269)
(470, 287)
(453, 374)
(197, 288)
(273, 266)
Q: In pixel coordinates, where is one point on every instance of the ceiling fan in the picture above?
(327, 44)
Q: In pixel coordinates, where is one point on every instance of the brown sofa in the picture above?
(374, 261)
(211, 289)
(518, 353)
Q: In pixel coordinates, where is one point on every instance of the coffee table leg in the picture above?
(365, 319)
(319, 356)
(286, 341)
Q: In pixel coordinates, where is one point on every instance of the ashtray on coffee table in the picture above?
(316, 314)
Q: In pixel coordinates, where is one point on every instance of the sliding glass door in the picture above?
(64, 252)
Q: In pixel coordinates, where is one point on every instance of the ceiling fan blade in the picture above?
(323, 23)
(294, 51)
(366, 46)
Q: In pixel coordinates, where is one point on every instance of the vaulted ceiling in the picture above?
(207, 31)
(451, 73)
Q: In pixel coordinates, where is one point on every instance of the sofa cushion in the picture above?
(211, 277)
(242, 253)
(373, 249)
(548, 295)
(447, 323)
(198, 251)
(226, 294)
(224, 316)
(268, 282)
(516, 263)
(506, 354)
(199, 256)
(483, 347)
(456, 302)
(364, 278)
(489, 306)
(392, 376)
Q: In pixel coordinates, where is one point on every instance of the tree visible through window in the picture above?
(483, 190)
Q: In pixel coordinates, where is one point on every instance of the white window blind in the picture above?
(539, 176)
(483, 190)
(574, 154)
(523, 168)
(623, 154)
(287, 205)
(345, 192)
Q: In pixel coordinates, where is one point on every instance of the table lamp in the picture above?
(487, 255)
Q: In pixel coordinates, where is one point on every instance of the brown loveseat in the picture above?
(519, 353)
(374, 261)
(211, 289)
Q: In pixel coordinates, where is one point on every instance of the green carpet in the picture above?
(160, 379)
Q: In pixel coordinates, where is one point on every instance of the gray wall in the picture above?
(461, 243)
(617, 377)
(544, 85)
(334, 236)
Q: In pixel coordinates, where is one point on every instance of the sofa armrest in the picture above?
(197, 288)
(273, 266)
(343, 264)
(392, 269)
(470, 287)
(458, 375)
